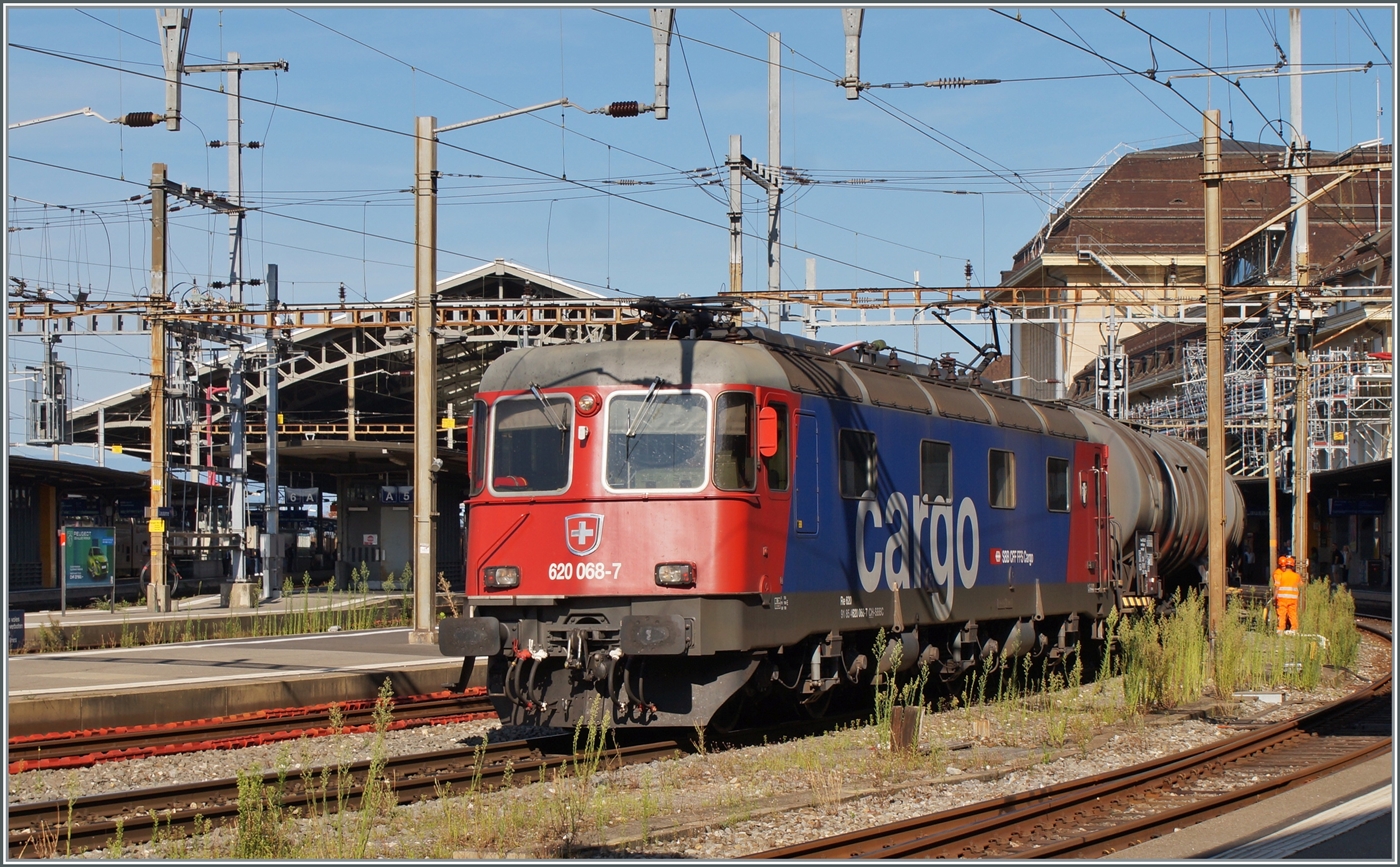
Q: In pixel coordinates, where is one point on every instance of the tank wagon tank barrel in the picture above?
(1161, 490)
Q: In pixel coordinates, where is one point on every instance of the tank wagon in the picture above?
(674, 531)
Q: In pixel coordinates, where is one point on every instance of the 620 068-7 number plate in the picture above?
(584, 571)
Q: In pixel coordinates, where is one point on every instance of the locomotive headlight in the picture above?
(675, 574)
(587, 404)
(502, 577)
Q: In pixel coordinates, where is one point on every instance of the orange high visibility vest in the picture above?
(1286, 584)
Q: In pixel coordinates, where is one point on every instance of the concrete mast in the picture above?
(775, 159)
(157, 597)
(1303, 324)
(424, 380)
(1215, 377)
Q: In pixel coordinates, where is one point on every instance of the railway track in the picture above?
(89, 747)
(1177, 790)
(92, 822)
(1098, 815)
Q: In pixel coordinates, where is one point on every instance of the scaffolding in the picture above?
(1349, 407)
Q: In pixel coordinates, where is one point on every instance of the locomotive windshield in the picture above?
(656, 440)
(530, 448)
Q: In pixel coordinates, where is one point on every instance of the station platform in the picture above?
(1373, 602)
(162, 683)
(1346, 816)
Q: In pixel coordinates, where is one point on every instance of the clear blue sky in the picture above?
(615, 204)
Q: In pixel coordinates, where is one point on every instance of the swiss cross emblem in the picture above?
(582, 533)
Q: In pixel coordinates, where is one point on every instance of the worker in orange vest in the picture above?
(1287, 586)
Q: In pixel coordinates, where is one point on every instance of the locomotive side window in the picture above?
(857, 465)
(476, 467)
(734, 461)
(1001, 479)
(530, 452)
(935, 471)
(1057, 484)
(777, 464)
(657, 441)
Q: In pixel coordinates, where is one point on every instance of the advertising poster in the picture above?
(89, 556)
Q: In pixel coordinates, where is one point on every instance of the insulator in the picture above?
(967, 270)
(254, 145)
(217, 284)
(216, 144)
(140, 118)
(624, 109)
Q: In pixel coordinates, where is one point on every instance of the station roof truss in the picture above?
(345, 384)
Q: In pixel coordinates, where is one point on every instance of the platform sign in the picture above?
(89, 556)
(16, 621)
(79, 507)
(302, 496)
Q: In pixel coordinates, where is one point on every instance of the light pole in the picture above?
(425, 459)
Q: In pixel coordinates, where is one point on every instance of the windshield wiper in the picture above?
(636, 426)
(548, 410)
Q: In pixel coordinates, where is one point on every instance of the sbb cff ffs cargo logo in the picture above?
(582, 533)
(1011, 556)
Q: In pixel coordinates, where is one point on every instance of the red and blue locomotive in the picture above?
(675, 530)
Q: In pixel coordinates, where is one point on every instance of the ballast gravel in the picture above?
(726, 803)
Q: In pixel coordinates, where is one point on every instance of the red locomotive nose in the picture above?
(623, 489)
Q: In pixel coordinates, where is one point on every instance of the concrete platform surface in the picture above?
(197, 680)
(1338, 816)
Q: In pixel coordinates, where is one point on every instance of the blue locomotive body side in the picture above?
(905, 536)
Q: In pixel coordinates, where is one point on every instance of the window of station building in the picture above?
(1001, 479)
(530, 452)
(935, 471)
(857, 463)
(1057, 484)
(778, 464)
(657, 441)
(734, 459)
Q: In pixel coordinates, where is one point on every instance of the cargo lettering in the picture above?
(925, 540)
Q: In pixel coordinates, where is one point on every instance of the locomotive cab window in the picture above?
(777, 464)
(857, 463)
(476, 468)
(530, 449)
(657, 441)
(1001, 479)
(1057, 484)
(936, 471)
(734, 458)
